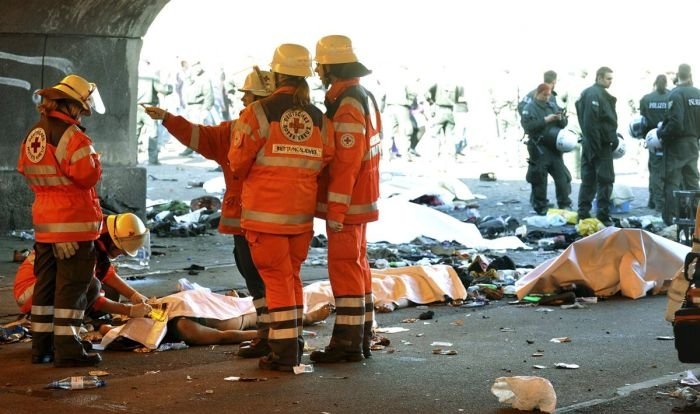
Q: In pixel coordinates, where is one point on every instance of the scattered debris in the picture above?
(690, 379)
(439, 351)
(426, 315)
(526, 393)
(391, 330)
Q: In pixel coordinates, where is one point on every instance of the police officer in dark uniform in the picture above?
(679, 133)
(542, 120)
(598, 119)
(653, 108)
(550, 78)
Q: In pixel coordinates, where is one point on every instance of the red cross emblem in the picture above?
(347, 141)
(35, 145)
(296, 125)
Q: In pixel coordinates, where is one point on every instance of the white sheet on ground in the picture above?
(401, 221)
(419, 284)
(201, 304)
(630, 261)
(190, 303)
(411, 187)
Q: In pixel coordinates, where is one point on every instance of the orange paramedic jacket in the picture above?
(62, 168)
(278, 151)
(349, 186)
(214, 143)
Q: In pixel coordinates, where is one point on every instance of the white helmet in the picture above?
(567, 140)
(335, 49)
(291, 59)
(258, 82)
(652, 141)
(637, 126)
(619, 152)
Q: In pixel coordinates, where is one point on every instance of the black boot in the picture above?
(258, 347)
(272, 362)
(332, 355)
(85, 360)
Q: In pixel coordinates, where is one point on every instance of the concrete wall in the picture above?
(41, 42)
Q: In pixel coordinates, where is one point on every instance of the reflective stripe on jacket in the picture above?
(278, 151)
(352, 177)
(214, 143)
(62, 168)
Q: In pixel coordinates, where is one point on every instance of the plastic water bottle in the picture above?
(77, 383)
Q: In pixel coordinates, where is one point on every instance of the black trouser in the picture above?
(59, 300)
(656, 180)
(680, 172)
(597, 179)
(544, 161)
(253, 281)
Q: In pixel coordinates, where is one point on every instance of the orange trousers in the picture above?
(348, 268)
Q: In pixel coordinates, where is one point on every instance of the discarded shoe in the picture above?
(257, 348)
(268, 362)
(566, 298)
(332, 355)
(489, 176)
(85, 360)
(42, 359)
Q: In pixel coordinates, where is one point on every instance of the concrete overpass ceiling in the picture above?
(118, 18)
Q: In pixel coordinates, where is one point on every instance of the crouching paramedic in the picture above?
(280, 145)
(123, 234)
(214, 143)
(62, 168)
(348, 197)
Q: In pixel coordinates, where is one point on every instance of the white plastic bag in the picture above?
(526, 393)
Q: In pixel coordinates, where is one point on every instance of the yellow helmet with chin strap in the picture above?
(128, 232)
(77, 89)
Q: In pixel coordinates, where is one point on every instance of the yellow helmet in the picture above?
(128, 232)
(291, 59)
(335, 49)
(76, 88)
(258, 82)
